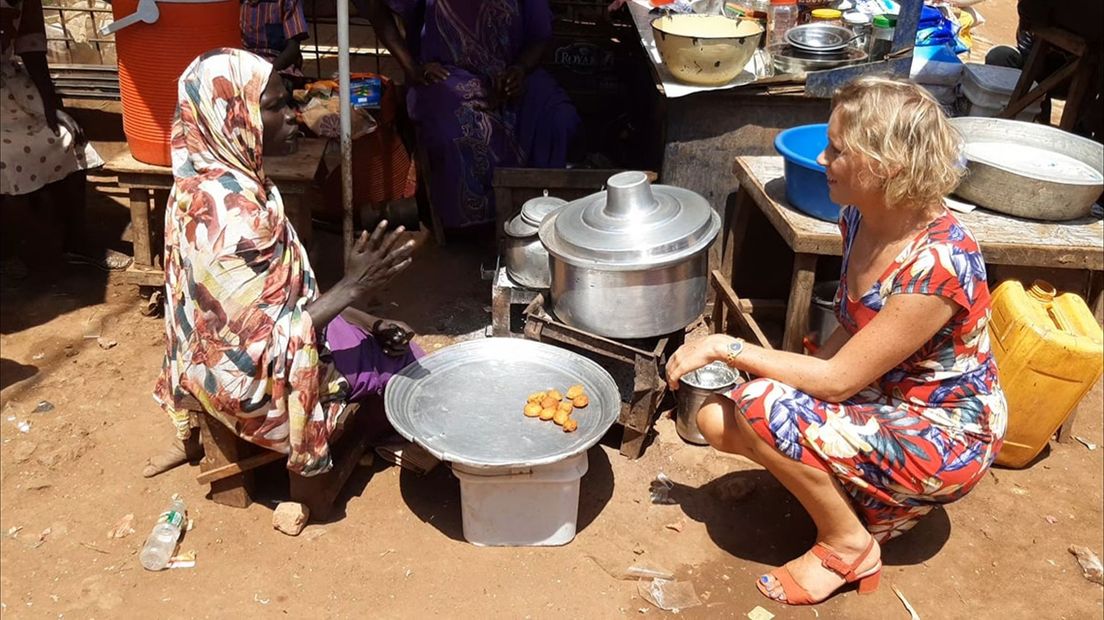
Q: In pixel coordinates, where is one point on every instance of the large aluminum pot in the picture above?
(526, 259)
(705, 49)
(1029, 170)
(632, 261)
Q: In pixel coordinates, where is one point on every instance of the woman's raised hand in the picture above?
(377, 258)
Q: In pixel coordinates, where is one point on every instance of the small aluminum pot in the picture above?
(694, 388)
(526, 259)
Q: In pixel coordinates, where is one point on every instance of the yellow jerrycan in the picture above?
(1049, 352)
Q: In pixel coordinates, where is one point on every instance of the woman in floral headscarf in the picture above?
(248, 334)
(900, 410)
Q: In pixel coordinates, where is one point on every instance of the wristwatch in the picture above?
(733, 351)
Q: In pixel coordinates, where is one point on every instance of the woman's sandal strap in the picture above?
(832, 561)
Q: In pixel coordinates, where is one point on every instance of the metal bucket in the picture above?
(822, 317)
(694, 388)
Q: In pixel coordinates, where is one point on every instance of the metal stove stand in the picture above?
(636, 367)
(506, 298)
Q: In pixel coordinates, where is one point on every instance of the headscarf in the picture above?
(237, 279)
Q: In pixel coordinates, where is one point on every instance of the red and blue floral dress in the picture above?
(927, 431)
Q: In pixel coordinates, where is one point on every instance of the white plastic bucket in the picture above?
(988, 89)
(506, 507)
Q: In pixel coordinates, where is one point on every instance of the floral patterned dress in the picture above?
(927, 431)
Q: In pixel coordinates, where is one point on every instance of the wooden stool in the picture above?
(1078, 71)
(229, 461)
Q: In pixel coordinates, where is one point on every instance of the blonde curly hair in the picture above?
(913, 149)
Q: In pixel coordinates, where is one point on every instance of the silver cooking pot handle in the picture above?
(146, 12)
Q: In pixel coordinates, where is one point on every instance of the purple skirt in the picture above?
(360, 359)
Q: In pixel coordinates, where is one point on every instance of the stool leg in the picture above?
(221, 447)
(139, 218)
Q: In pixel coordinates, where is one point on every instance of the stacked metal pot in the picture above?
(631, 261)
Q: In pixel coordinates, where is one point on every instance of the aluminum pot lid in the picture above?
(632, 224)
(536, 209)
(519, 228)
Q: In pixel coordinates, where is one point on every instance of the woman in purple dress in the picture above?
(477, 96)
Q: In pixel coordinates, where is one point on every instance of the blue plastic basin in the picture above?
(806, 183)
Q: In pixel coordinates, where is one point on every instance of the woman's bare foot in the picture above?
(178, 453)
(818, 581)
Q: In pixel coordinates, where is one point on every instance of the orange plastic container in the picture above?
(1049, 352)
(151, 59)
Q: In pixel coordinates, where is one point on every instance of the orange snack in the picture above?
(574, 391)
(580, 401)
(566, 406)
(561, 417)
(547, 414)
(549, 403)
(570, 425)
(555, 394)
(532, 410)
(536, 397)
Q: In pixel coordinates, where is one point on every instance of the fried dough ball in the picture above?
(555, 394)
(574, 391)
(537, 397)
(580, 401)
(547, 414)
(561, 417)
(532, 410)
(549, 403)
(570, 425)
(566, 406)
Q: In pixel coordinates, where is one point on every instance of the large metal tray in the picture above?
(464, 403)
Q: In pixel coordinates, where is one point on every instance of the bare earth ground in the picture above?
(396, 550)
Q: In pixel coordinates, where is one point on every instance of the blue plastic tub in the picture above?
(806, 183)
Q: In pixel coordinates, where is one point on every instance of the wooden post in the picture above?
(221, 448)
(797, 308)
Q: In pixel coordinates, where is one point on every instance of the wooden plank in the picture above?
(737, 216)
(1004, 239)
(142, 276)
(220, 447)
(298, 167)
(801, 295)
(726, 297)
(244, 465)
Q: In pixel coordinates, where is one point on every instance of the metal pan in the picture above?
(464, 403)
(819, 38)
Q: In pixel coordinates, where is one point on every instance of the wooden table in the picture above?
(1004, 240)
(148, 184)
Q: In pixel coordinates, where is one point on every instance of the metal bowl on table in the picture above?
(632, 261)
(464, 403)
(1029, 170)
(790, 60)
(526, 259)
(708, 50)
(819, 38)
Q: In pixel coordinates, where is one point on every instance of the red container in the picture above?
(151, 59)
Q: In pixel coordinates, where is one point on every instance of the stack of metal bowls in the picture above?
(631, 261)
(815, 47)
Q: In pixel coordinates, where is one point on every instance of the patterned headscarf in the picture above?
(237, 279)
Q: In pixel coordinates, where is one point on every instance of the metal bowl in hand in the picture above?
(708, 50)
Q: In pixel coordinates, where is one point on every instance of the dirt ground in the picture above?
(395, 549)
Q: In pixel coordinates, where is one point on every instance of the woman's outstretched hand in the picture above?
(377, 258)
(693, 355)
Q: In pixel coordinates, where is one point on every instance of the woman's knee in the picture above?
(716, 420)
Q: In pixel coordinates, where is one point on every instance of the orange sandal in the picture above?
(797, 595)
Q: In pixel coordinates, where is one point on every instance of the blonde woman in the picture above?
(900, 410)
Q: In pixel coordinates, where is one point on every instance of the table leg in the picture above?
(797, 308)
(139, 219)
(737, 216)
(157, 226)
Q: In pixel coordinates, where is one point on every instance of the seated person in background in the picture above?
(273, 29)
(248, 333)
(44, 154)
(477, 96)
(900, 410)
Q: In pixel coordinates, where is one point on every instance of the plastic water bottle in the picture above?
(162, 540)
(783, 16)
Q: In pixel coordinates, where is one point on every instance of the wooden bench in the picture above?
(229, 462)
